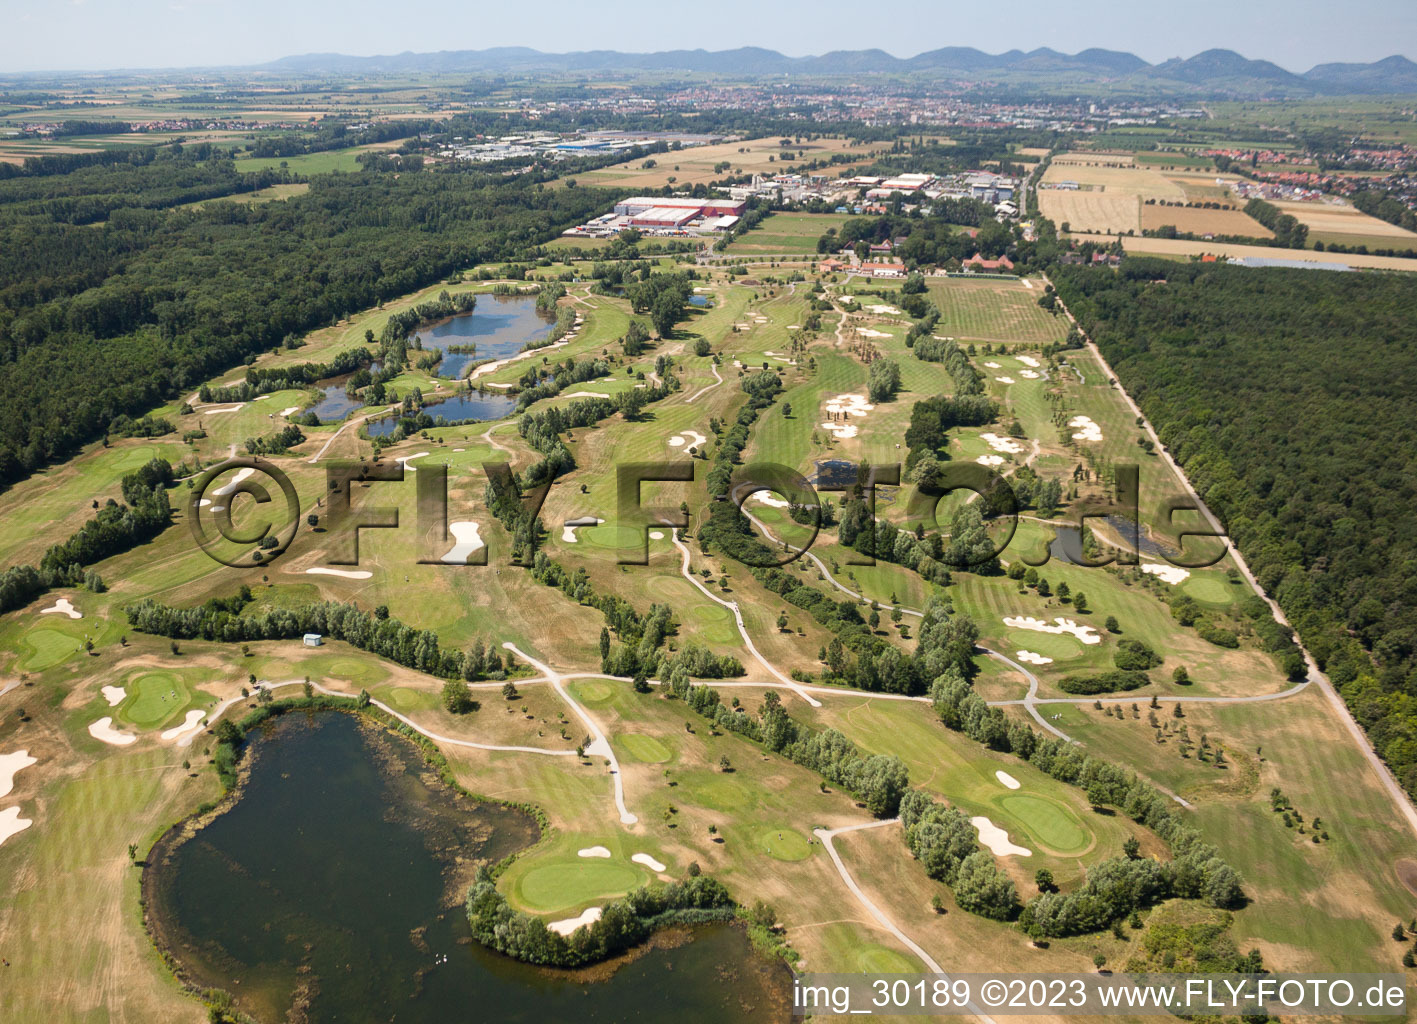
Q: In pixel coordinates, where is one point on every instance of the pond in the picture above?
(336, 404)
(467, 405)
(698, 300)
(333, 884)
(500, 326)
(1067, 545)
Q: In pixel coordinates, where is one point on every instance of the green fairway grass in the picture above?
(880, 960)
(593, 691)
(644, 748)
(48, 647)
(784, 844)
(153, 698)
(1050, 823)
(572, 881)
(1057, 646)
(1210, 588)
(723, 793)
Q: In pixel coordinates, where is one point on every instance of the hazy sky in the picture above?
(87, 34)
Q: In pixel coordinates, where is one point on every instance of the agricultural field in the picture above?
(787, 233)
(1183, 249)
(1337, 222)
(1203, 222)
(695, 165)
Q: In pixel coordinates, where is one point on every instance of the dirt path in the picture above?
(705, 390)
(876, 912)
(1398, 796)
(600, 747)
(732, 606)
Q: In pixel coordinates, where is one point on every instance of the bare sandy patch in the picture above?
(11, 824)
(192, 723)
(10, 766)
(997, 840)
(468, 540)
(1087, 634)
(103, 730)
(588, 916)
(349, 574)
(1007, 445)
(62, 607)
(1171, 574)
(1087, 429)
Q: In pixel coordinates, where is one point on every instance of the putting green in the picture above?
(1052, 824)
(644, 748)
(784, 844)
(48, 647)
(1209, 589)
(593, 692)
(720, 793)
(404, 697)
(574, 881)
(1058, 646)
(880, 960)
(153, 698)
(713, 622)
(611, 537)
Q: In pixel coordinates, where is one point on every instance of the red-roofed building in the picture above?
(877, 269)
(999, 266)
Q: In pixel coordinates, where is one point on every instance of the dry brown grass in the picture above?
(695, 165)
(1203, 222)
(1181, 247)
(1329, 218)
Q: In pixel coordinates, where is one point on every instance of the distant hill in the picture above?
(1211, 72)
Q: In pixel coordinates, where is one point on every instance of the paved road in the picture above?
(1395, 792)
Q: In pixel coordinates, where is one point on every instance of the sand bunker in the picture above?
(1002, 444)
(655, 535)
(1029, 374)
(647, 861)
(1008, 780)
(287, 412)
(114, 695)
(993, 366)
(768, 498)
(1004, 380)
(1167, 573)
(568, 528)
(566, 927)
(997, 839)
(103, 730)
(794, 327)
(884, 310)
(468, 541)
(851, 405)
(213, 412)
(1028, 284)
(1029, 361)
(349, 574)
(990, 460)
(1087, 429)
(781, 358)
(191, 724)
(573, 394)
(593, 851)
(690, 437)
(10, 766)
(867, 332)
(230, 485)
(62, 607)
(12, 824)
(1033, 658)
(1086, 634)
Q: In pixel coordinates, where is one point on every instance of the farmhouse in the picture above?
(880, 269)
(1002, 265)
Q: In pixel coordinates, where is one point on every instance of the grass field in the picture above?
(1203, 222)
(695, 165)
(994, 311)
(787, 233)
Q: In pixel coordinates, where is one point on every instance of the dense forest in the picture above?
(114, 297)
(1287, 396)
